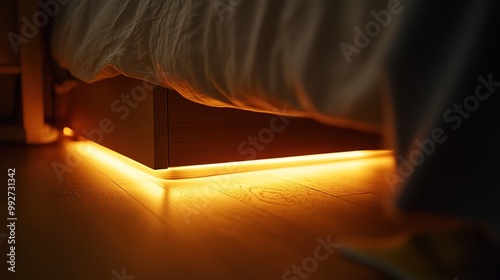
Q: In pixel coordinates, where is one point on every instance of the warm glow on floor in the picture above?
(107, 157)
(339, 174)
(121, 170)
(279, 189)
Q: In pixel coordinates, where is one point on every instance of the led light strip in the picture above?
(195, 171)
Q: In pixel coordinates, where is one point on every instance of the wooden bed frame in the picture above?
(157, 127)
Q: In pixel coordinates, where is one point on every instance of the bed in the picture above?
(193, 82)
(216, 73)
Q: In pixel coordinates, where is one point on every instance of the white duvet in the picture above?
(268, 56)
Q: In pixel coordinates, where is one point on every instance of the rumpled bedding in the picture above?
(266, 56)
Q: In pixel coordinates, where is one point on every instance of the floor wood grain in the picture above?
(103, 221)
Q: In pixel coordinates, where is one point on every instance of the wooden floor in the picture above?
(104, 221)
